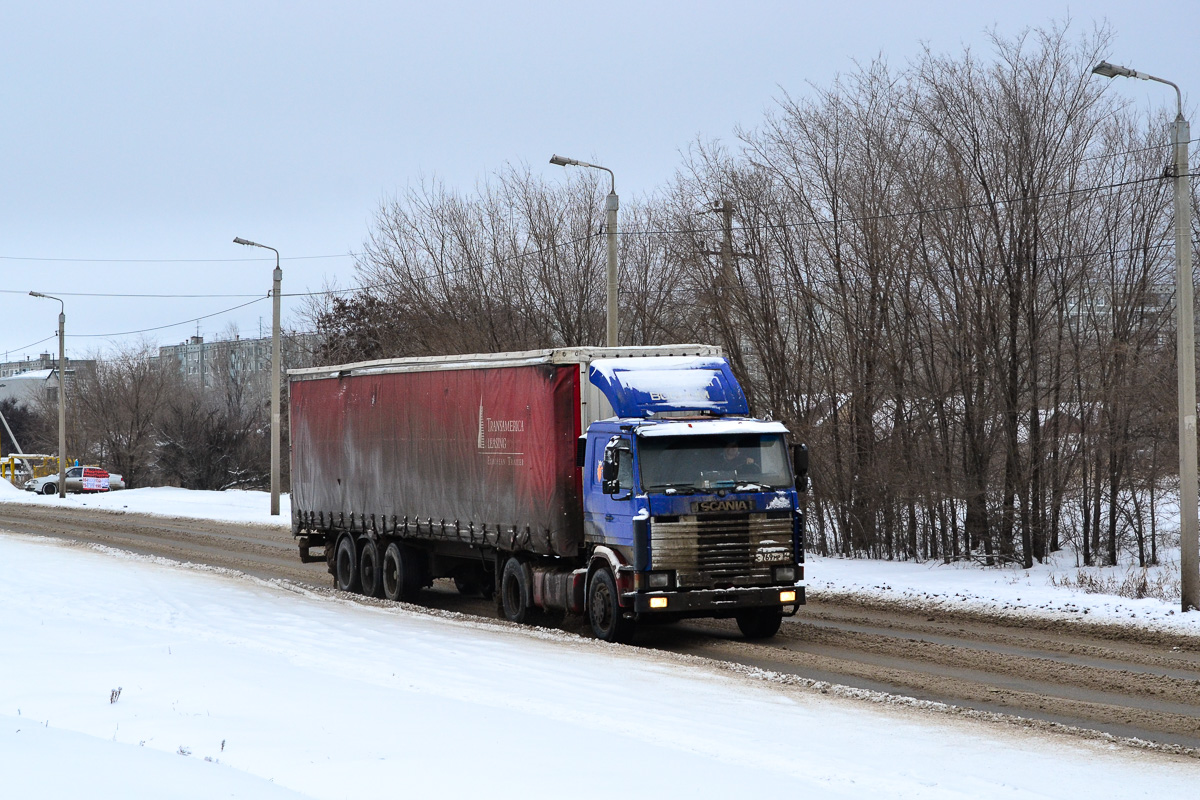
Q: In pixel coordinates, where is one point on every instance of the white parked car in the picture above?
(79, 479)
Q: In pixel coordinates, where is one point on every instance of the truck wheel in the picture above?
(370, 573)
(516, 603)
(399, 576)
(759, 623)
(346, 565)
(604, 612)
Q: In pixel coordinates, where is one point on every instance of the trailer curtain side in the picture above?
(473, 449)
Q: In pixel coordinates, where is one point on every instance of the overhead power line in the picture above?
(160, 296)
(187, 321)
(33, 344)
(170, 260)
(921, 271)
(894, 215)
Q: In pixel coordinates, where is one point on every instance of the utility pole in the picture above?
(62, 392)
(611, 204)
(1189, 534)
(276, 366)
(725, 283)
(1185, 344)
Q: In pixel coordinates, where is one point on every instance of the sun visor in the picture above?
(642, 387)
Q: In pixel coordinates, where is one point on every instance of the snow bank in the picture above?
(168, 501)
(1041, 592)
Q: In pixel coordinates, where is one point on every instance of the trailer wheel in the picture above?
(516, 599)
(604, 610)
(399, 578)
(346, 565)
(369, 569)
(759, 623)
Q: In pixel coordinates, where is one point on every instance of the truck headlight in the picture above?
(788, 597)
(785, 574)
(659, 580)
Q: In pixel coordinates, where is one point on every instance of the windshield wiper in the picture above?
(753, 486)
(679, 488)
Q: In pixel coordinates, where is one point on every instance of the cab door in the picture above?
(608, 507)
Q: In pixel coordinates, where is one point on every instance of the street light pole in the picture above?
(1189, 529)
(611, 204)
(62, 393)
(275, 366)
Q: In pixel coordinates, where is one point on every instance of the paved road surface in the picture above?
(1121, 681)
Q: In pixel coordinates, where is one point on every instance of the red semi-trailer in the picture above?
(488, 450)
(479, 468)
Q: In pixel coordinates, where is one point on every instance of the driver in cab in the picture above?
(734, 460)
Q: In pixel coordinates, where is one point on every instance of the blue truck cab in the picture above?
(694, 504)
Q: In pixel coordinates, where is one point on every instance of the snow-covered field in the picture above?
(167, 501)
(235, 687)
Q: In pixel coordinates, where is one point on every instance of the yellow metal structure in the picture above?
(41, 465)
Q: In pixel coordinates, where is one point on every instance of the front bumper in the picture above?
(714, 602)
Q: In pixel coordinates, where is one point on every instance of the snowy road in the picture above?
(1143, 686)
(127, 678)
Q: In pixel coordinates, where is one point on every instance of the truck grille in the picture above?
(721, 550)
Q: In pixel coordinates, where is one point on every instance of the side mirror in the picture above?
(800, 466)
(608, 474)
(581, 452)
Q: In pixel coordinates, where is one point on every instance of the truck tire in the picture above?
(516, 595)
(399, 578)
(604, 610)
(346, 564)
(759, 623)
(370, 569)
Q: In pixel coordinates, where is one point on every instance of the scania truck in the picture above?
(626, 484)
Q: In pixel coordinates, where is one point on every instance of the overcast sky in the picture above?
(139, 138)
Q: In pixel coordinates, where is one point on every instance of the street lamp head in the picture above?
(1107, 70)
(240, 240)
(36, 294)
(562, 161)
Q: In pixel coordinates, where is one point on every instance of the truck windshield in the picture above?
(688, 464)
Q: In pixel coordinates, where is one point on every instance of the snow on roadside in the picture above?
(168, 501)
(331, 699)
(33, 758)
(999, 591)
